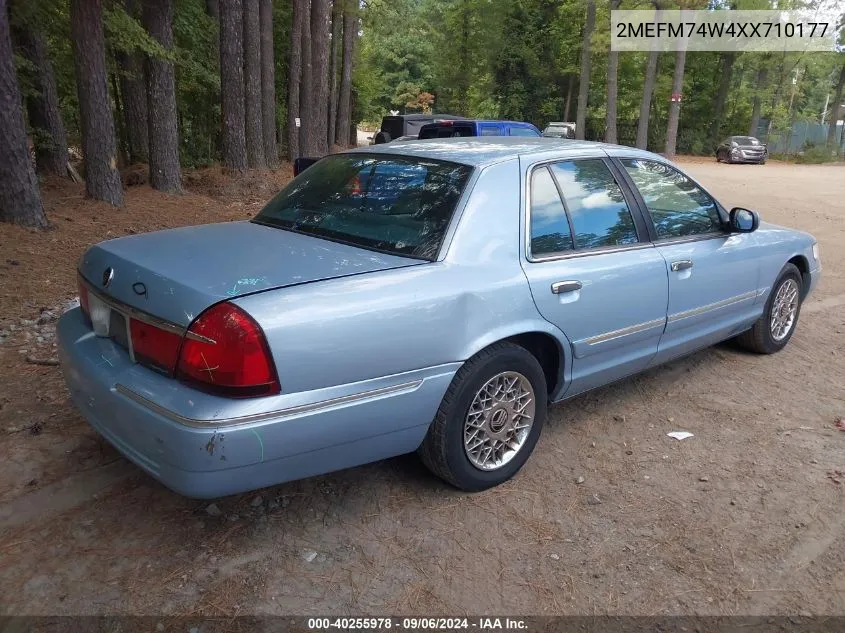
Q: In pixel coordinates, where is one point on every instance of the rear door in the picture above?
(592, 270)
(713, 274)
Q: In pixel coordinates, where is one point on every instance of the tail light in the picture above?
(154, 346)
(225, 352)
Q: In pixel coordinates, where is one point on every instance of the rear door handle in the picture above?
(683, 264)
(566, 286)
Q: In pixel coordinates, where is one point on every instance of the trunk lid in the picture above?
(178, 273)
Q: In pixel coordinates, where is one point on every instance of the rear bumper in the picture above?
(319, 432)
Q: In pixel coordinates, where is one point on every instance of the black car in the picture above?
(742, 149)
(407, 125)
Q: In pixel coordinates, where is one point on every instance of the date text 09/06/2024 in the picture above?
(416, 624)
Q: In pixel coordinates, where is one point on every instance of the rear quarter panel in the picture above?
(372, 325)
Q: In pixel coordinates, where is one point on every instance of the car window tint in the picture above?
(490, 131)
(678, 206)
(398, 205)
(550, 232)
(522, 131)
(600, 215)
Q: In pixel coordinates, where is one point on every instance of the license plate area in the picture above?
(110, 323)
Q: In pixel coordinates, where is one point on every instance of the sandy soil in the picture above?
(747, 517)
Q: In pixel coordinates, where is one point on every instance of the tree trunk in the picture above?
(570, 87)
(725, 75)
(51, 155)
(645, 104)
(316, 135)
(20, 200)
(337, 29)
(268, 84)
(134, 92)
(165, 172)
(232, 84)
(344, 105)
(612, 88)
(675, 104)
(99, 147)
(584, 84)
(252, 85)
(762, 76)
(835, 108)
(306, 83)
(295, 76)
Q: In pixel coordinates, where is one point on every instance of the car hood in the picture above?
(178, 273)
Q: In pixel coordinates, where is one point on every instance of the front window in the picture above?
(392, 204)
(678, 207)
(745, 140)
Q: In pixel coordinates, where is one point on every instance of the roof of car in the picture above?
(485, 150)
(418, 116)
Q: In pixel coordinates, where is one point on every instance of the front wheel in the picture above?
(773, 330)
(489, 420)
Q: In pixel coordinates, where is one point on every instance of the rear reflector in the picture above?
(225, 352)
(153, 346)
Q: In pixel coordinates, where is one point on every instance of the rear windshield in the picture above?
(392, 204)
(447, 131)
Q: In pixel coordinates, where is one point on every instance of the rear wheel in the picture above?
(773, 330)
(489, 420)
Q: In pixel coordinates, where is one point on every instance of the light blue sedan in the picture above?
(431, 296)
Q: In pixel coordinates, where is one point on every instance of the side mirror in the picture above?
(743, 220)
(301, 164)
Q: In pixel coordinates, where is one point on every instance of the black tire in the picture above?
(382, 137)
(759, 338)
(718, 157)
(442, 450)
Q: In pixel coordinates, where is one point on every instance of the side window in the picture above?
(490, 130)
(522, 131)
(678, 206)
(600, 215)
(550, 233)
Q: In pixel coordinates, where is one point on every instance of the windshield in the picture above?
(745, 140)
(393, 204)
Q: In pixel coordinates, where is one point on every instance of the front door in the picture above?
(713, 282)
(592, 271)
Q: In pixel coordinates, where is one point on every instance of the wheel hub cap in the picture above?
(499, 420)
(784, 310)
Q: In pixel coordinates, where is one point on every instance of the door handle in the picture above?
(683, 264)
(560, 287)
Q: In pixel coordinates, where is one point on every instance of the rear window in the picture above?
(393, 125)
(392, 204)
(447, 131)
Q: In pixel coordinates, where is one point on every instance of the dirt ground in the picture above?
(746, 517)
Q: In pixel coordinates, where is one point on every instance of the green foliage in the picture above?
(816, 154)
(126, 35)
